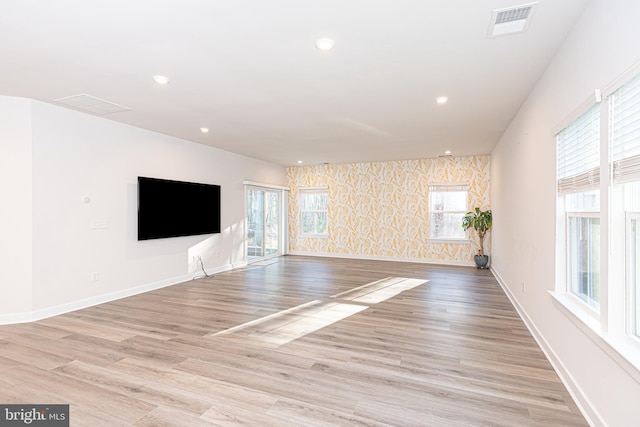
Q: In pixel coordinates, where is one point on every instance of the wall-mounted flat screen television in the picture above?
(176, 208)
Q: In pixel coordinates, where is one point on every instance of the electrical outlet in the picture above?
(524, 286)
(94, 276)
(99, 224)
(194, 258)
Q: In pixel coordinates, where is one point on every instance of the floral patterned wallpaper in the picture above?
(381, 210)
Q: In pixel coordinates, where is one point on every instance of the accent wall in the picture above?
(381, 211)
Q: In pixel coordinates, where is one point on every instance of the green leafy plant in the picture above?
(481, 222)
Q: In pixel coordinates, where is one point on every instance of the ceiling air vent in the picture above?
(91, 104)
(511, 20)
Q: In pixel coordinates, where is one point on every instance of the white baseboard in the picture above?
(582, 401)
(44, 313)
(385, 258)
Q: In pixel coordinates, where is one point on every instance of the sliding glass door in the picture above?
(264, 222)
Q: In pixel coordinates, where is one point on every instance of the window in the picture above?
(633, 275)
(579, 154)
(578, 173)
(625, 132)
(583, 258)
(583, 246)
(624, 160)
(313, 211)
(447, 206)
(598, 221)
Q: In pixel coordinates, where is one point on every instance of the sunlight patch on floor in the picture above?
(382, 290)
(321, 317)
(293, 323)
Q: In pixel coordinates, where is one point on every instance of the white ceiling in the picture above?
(249, 70)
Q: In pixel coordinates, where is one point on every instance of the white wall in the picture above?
(75, 155)
(602, 46)
(15, 205)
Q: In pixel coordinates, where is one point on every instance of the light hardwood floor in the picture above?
(302, 341)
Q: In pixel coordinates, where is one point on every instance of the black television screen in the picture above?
(176, 208)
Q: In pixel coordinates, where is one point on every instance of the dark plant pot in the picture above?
(481, 260)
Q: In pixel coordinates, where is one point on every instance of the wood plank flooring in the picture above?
(304, 341)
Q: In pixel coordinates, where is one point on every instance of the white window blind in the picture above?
(579, 153)
(624, 108)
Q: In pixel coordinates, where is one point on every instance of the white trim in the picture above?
(604, 218)
(578, 309)
(235, 265)
(448, 184)
(260, 184)
(385, 258)
(593, 314)
(630, 310)
(283, 226)
(583, 214)
(30, 316)
(262, 259)
(318, 188)
(441, 188)
(302, 191)
(313, 236)
(615, 348)
(284, 234)
(582, 401)
(572, 116)
(624, 77)
(606, 90)
(449, 240)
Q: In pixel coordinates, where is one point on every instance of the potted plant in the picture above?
(481, 222)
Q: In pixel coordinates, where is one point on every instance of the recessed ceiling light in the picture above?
(161, 80)
(442, 99)
(447, 152)
(299, 162)
(324, 44)
(204, 130)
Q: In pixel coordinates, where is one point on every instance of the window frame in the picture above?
(433, 189)
(632, 290)
(313, 190)
(574, 178)
(593, 310)
(611, 328)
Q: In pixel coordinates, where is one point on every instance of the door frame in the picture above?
(283, 238)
